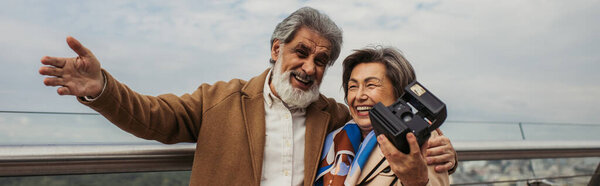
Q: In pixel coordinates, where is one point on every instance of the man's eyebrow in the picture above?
(303, 46)
(324, 56)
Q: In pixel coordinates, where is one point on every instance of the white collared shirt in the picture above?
(283, 162)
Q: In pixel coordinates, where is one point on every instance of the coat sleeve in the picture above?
(166, 118)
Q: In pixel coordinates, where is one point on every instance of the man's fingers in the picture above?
(439, 131)
(51, 71)
(63, 91)
(77, 47)
(444, 168)
(434, 151)
(54, 61)
(440, 159)
(54, 81)
(438, 141)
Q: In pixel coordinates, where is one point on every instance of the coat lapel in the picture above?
(316, 129)
(375, 157)
(254, 120)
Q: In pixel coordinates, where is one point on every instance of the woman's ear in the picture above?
(275, 50)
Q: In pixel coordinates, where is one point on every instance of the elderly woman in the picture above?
(353, 154)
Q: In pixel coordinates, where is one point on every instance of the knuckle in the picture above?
(445, 139)
(394, 155)
(50, 81)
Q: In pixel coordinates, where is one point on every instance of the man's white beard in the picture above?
(294, 98)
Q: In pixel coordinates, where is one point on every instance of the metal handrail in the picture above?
(30, 160)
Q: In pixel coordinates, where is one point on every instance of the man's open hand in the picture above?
(78, 76)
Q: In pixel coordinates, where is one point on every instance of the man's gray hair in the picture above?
(398, 69)
(313, 19)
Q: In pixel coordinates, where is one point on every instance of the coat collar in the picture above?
(254, 87)
(375, 157)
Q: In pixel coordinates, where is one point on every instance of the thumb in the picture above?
(78, 47)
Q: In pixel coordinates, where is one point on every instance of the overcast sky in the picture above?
(515, 60)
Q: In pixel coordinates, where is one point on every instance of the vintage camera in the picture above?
(398, 119)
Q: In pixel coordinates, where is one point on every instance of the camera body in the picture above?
(398, 119)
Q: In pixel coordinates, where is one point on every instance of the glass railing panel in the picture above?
(557, 131)
(22, 128)
(493, 131)
(484, 131)
(36, 128)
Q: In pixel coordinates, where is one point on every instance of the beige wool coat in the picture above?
(226, 120)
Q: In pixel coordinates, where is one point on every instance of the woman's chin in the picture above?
(365, 128)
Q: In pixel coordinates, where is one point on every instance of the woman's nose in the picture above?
(362, 94)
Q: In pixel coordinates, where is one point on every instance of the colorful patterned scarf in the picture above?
(338, 163)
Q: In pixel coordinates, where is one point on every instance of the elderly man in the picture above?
(265, 131)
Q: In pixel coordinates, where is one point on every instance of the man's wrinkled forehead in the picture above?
(316, 44)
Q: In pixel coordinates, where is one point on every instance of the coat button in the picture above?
(386, 170)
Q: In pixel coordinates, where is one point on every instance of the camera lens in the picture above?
(406, 117)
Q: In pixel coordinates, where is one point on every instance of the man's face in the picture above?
(306, 57)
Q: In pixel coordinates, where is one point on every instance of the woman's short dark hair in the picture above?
(398, 69)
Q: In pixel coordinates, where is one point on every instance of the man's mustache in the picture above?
(302, 76)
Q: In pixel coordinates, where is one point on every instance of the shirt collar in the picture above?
(268, 94)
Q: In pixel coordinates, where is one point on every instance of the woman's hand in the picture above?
(410, 168)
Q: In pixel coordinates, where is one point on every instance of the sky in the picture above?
(489, 61)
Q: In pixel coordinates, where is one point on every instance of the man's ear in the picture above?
(275, 50)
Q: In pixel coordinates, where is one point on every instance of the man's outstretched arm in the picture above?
(166, 118)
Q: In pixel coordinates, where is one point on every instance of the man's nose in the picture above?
(309, 67)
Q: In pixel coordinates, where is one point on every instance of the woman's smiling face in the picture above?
(367, 86)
